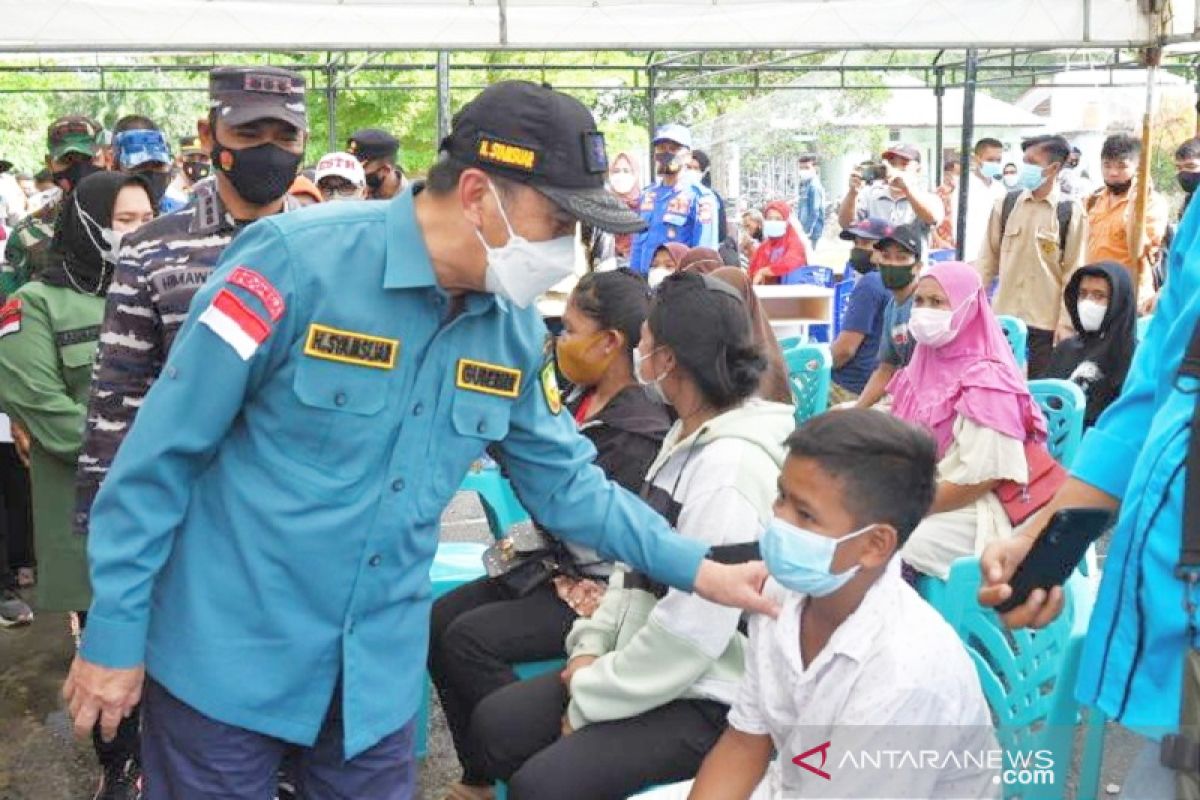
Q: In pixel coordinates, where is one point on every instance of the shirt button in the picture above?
(375, 561)
(398, 485)
(417, 409)
(481, 427)
(339, 399)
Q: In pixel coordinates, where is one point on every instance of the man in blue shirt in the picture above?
(855, 351)
(676, 209)
(335, 378)
(810, 205)
(898, 257)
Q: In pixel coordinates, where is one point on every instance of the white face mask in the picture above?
(690, 177)
(774, 228)
(110, 249)
(1091, 315)
(931, 326)
(652, 387)
(521, 270)
(621, 182)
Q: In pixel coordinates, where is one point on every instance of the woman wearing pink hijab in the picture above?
(964, 386)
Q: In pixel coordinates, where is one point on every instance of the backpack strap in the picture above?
(1066, 209)
(1010, 202)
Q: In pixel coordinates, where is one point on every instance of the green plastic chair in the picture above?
(496, 495)
(809, 369)
(1017, 333)
(1028, 677)
(1063, 404)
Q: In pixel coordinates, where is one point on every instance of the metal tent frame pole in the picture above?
(964, 157)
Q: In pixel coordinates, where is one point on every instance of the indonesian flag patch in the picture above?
(10, 317)
(236, 323)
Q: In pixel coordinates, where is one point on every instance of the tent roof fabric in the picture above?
(175, 25)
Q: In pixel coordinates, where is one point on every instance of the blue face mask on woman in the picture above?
(802, 560)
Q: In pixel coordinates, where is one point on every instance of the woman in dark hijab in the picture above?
(773, 385)
(49, 330)
(1100, 300)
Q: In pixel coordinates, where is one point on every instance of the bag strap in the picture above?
(1181, 751)
(1066, 210)
(1010, 202)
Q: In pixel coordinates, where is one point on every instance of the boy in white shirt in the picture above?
(858, 670)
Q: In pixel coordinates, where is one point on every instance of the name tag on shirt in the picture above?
(479, 376)
(348, 347)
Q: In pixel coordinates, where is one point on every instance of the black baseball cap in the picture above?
(873, 229)
(245, 94)
(371, 143)
(907, 236)
(530, 133)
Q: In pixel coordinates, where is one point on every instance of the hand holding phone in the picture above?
(1059, 549)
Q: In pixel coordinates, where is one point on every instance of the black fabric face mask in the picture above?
(860, 260)
(196, 170)
(1119, 188)
(74, 174)
(1188, 181)
(895, 277)
(375, 181)
(261, 174)
(157, 181)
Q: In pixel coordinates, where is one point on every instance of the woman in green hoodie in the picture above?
(653, 672)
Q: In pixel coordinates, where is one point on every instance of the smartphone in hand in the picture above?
(1057, 552)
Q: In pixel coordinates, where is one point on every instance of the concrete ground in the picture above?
(40, 761)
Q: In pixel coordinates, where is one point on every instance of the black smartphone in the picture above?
(1057, 551)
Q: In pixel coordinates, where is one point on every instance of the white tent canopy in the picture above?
(175, 25)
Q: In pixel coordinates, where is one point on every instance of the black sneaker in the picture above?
(120, 783)
(13, 610)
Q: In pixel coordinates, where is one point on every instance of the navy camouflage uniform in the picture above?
(162, 266)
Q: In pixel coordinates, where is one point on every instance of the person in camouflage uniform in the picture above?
(73, 153)
(168, 260)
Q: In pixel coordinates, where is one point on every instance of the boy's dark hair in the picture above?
(887, 467)
(705, 323)
(702, 159)
(986, 143)
(134, 122)
(1120, 146)
(807, 158)
(617, 300)
(1056, 147)
(1189, 149)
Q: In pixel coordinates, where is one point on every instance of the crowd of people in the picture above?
(237, 407)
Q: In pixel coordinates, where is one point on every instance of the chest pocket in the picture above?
(476, 422)
(339, 422)
(479, 417)
(76, 358)
(1008, 243)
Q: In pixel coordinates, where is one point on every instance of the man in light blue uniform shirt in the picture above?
(677, 208)
(262, 546)
(1135, 457)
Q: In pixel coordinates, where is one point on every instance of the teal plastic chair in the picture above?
(788, 342)
(1142, 324)
(1028, 677)
(1017, 334)
(1063, 404)
(496, 495)
(809, 369)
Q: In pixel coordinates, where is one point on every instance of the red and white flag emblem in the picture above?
(10, 317)
(236, 323)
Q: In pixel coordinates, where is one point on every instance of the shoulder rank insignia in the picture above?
(479, 376)
(10, 317)
(349, 347)
(550, 389)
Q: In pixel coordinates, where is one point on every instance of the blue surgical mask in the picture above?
(992, 170)
(1030, 177)
(802, 560)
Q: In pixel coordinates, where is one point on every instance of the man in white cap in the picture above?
(340, 176)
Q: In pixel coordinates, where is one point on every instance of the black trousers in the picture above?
(1041, 346)
(477, 632)
(16, 520)
(517, 733)
(126, 745)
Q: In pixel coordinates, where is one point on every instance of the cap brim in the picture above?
(66, 149)
(850, 235)
(241, 113)
(597, 207)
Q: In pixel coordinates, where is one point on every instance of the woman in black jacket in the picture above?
(480, 630)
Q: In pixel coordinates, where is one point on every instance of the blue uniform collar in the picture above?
(408, 264)
(409, 267)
